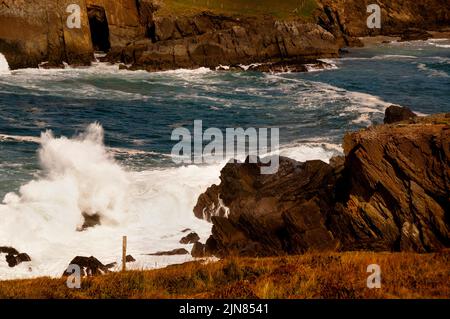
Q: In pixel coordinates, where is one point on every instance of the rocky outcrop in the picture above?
(33, 32)
(347, 19)
(395, 113)
(208, 40)
(391, 192)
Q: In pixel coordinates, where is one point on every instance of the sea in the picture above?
(97, 140)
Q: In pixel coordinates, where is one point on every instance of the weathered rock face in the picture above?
(391, 193)
(209, 40)
(348, 19)
(398, 179)
(273, 214)
(33, 32)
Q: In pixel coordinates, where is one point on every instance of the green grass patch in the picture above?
(280, 9)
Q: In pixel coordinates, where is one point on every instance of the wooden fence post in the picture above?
(124, 253)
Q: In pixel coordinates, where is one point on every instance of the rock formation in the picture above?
(136, 32)
(390, 193)
(347, 20)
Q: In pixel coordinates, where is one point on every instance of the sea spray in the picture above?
(4, 66)
(79, 176)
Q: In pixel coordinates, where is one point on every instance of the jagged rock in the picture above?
(178, 251)
(397, 187)
(391, 193)
(190, 239)
(14, 260)
(268, 213)
(396, 113)
(347, 20)
(212, 40)
(90, 266)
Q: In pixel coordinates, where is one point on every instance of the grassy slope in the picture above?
(280, 9)
(332, 275)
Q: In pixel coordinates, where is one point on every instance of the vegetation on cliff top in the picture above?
(313, 275)
(280, 9)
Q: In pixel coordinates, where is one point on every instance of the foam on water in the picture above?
(4, 66)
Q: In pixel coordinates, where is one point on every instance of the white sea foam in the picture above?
(431, 72)
(4, 66)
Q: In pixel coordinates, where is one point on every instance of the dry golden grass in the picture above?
(330, 275)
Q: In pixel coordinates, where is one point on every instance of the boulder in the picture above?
(395, 113)
(13, 257)
(190, 239)
(14, 260)
(129, 259)
(90, 266)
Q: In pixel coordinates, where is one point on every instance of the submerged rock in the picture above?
(178, 251)
(390, 192)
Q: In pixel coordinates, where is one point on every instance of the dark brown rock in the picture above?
(190, 239)
(396, 113)
(90, 266)
(129, 259)
(14, 260)
(8, 250)
(178, 251)
(13, 257)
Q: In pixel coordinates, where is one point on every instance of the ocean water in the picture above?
(98, 140)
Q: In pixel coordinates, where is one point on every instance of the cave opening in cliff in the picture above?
(98, 23)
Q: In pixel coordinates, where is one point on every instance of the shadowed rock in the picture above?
(395, 113)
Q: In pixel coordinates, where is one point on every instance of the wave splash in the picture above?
(4, 66)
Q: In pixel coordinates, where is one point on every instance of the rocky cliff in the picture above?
(391, 192)
(140, 33)
(347, 20)
(32, 32)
